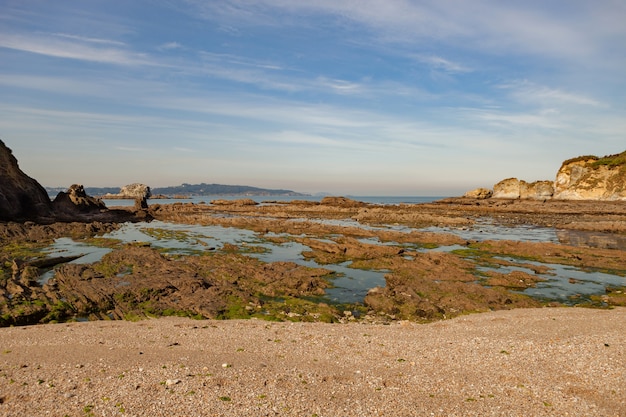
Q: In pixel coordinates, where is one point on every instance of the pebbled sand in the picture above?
(527, 362)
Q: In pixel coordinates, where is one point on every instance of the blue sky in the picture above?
(351, 97)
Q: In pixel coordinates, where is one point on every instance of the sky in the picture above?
(348, 97)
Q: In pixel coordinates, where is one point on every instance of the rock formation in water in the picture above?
(582, 178)
(21, 197)
(134, 191)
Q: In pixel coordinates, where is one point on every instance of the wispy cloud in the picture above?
(300, 138)
(340, 86)
(526, 91)
(89, 40)
(73, 48)
(170, 46)
(442, 64)
(239, 60)
(487, 25)
(129, 149)
(543, 120)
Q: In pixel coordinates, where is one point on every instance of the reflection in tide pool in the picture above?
(65, 246)
(86, 253)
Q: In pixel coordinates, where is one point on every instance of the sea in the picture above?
(261, 199)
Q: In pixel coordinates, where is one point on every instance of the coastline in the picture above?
(546, 361)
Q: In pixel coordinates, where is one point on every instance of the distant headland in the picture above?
(180, 191)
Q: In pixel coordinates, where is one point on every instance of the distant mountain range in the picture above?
(188, 190)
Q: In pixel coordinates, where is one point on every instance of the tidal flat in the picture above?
(304, 261)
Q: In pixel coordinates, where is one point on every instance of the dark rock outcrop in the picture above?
(76, 201)
(76, 205)
(21, 197)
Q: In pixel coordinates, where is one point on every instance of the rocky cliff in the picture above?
(582, 178)
(592, 178)
(21, 197)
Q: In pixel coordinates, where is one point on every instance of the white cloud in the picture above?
(170, 46)
(442, 64)
(76, 48)
(515, 120)
(528, 92)
(300, 138)
(89, 40)
(574, 31)
(340, 86)
(129, 149)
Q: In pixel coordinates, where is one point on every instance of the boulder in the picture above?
(479, 193)
(508, 188)
(135, 191)
(131, 192)
(592, 178)
(21, 197)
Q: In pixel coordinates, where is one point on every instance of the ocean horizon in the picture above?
(385, 200)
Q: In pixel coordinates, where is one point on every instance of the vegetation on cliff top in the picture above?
(608, 160)
(611, 160)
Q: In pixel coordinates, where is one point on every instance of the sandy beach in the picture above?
(523, 362)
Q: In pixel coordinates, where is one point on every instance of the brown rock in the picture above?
(76, 200)
(341, 202)
(479, 193)
(21, 197)
(240, 202)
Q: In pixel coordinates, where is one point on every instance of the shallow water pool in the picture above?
(561, 284)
